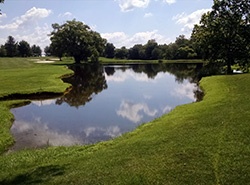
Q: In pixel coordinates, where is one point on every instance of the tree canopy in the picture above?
(223, 34)
(24, 49)
(76, 39)
(11, 48)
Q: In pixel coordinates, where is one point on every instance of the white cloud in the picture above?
(117, 38)
(120, 39)
(32, 16)
(66, 14)
(129, 5)
(39, 36)
(28, 27)
(170, 1)
(147, 15)
(188, 21)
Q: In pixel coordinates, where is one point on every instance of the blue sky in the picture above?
(121, 22)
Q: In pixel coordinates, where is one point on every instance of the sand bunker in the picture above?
(45, 61)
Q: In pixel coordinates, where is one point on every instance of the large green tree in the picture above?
(224, 33)
(24, 49)
(76, 39)
(109, 50)
(121, 53)
(36, 51)
(11, 47)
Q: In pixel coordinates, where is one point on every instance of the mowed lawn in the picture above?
(25, 76)
(199, 143)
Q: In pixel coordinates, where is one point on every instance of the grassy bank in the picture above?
(25, 76)
(126, 61)
(199, 143)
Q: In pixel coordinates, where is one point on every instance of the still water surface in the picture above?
(102, 103)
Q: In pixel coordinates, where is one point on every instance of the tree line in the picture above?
(76, 39)
(11, 48)
(182, 48)
(222, 37)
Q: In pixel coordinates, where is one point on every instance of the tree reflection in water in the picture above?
(89, 79)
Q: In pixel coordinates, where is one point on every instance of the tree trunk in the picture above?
(230, 61)
(77, 60)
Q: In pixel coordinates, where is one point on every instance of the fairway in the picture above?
(199, 143)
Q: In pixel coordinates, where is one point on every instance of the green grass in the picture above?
(24, 76)
(199, 143)
(126, 61)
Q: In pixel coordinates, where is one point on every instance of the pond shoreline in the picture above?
(125, 110)
(32, 96)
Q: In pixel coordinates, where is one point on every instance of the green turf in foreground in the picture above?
(199, 143)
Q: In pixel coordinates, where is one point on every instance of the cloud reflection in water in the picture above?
(37, 135)
(185, 90)
(98, 133)
(43, 102)
(131, 111)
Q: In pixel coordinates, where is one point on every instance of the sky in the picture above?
(121, 22)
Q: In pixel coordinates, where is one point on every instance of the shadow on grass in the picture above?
(39, 175)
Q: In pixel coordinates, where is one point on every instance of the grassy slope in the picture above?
(199, 143)
(22, 75)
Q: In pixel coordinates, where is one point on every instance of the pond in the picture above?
(104, 102)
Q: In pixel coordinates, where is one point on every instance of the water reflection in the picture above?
(110, 100)
(87, 80)
(38, 135)
(134, 111)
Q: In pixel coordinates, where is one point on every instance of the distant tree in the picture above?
(57, 47)
(149, 47)
(47, 51)
(109, 50)
(171, 51)
(24, 49)
(181, 41)
(76, 39)
(137, 52)
(156, 53)
(224, 33)
(186, 52)
(11, 47)
(3, 52)
(36, 51)
(121, 53)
